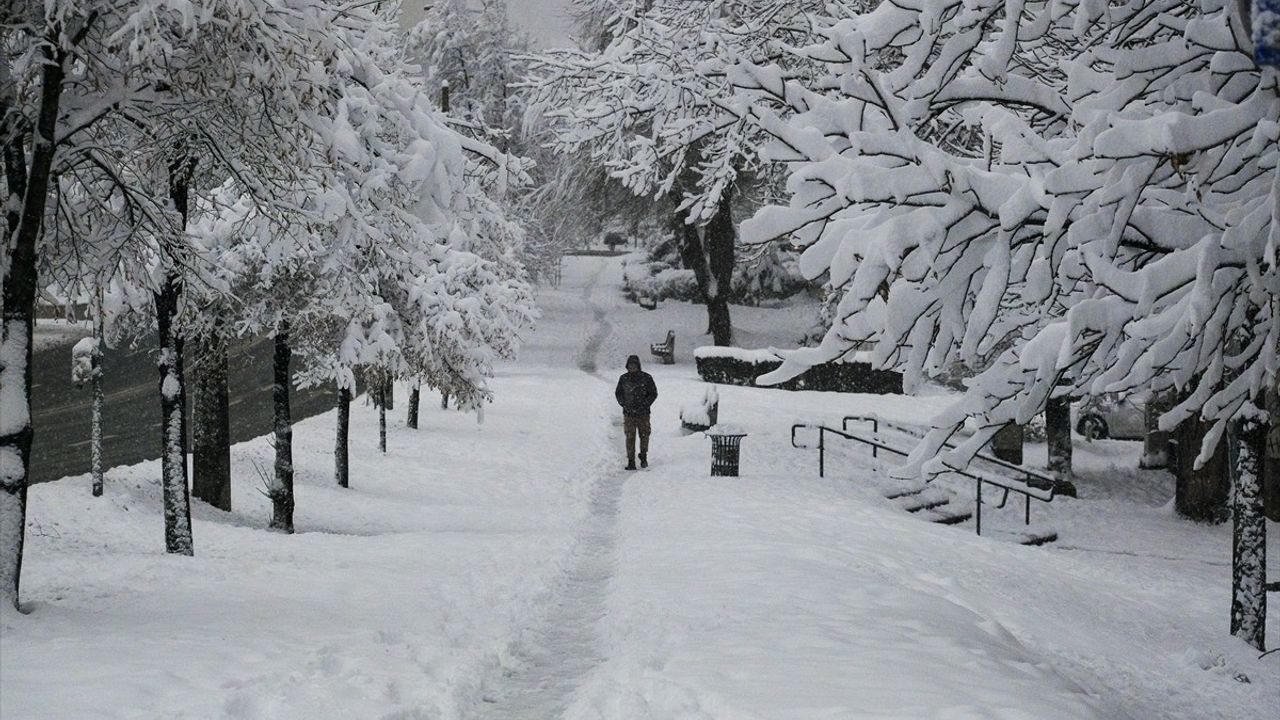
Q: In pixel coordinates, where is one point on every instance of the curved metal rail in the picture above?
(877, 444)
(1033, 478)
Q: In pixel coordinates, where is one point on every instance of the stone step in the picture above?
(908, 491)
(1023, 535)
(1039, 538)
(948, 514)
(919, 503)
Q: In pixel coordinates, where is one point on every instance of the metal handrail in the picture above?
(1047, 480)
(879, 444)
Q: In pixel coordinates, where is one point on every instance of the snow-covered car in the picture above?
(1121, 416)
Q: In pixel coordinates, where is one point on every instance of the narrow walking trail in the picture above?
(588, 356)
(553, 658)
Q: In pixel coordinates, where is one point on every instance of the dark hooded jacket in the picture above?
(636, 391)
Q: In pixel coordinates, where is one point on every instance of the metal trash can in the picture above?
(725, 448)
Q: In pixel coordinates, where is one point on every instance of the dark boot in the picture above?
(631, 465)
(644, 460)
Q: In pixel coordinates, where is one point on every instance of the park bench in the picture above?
(666, 350)
(703, 415)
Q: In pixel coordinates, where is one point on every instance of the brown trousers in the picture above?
(631, 426)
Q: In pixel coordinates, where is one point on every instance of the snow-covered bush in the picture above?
(772, 275)
(82, 360)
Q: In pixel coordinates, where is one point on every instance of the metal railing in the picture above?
(1033, 478)
(877, 444)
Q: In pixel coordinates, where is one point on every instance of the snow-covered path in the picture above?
(554, 657)
(397, 598)
(589, 356)
(511, 570)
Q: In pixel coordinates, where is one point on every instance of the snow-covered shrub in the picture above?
(675, 284)
(1034, 430)
(655, 278)
(773, 275)
(82, 362)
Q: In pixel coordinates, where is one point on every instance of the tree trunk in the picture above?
(173, 430)
(382, 416)
(211, 424)
(444, 400)
(173, 386)
(709, 251)
(414, 397)
(28, 195)
(1007, 443)
(1249, 536)
(1057, 426)
(1155, 443)
(282, 484)
(341, 438)
(1271, 461)
(389, 395)
(95, 423)
(1199, 494)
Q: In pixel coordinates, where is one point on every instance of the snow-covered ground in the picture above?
(513, 570)
(52, 333)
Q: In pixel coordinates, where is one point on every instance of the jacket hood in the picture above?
(633, 359)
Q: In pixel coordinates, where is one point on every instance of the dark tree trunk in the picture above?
(1271, 460)
(1007, 443)
(1057, 426)
(414, 396)
(389, 395)
(28, 195)
(1199, 494)
(211, 424)
(1249, 536)
(444, 400)
(1155, 443)
(282, 484)
(173, 400)
(341, 438)
(99, 401)
(173, 386)
(382, 416)
(709, 251)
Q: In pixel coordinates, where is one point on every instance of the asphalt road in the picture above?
(131, 422)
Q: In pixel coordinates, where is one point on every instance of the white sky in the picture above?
(544, 20)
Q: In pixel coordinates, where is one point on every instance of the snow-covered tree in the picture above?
(131, 113)
(647, 102)
(470, 49)
(53, 90)
(400, 262)
(1094, 182)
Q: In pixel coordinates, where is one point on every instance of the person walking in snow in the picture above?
(635, 393)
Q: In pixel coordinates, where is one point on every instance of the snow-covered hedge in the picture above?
(773, 275)
(738, 366)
